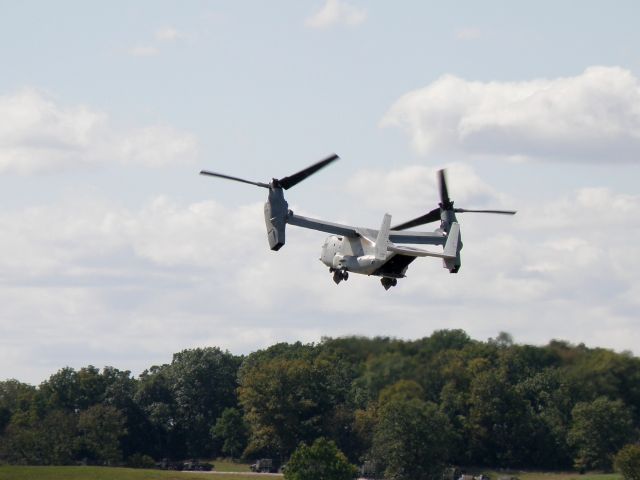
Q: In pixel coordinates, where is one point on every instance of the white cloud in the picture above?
(87, 282)
(153, 47)
(566, 268)
(156, 146)
(336, 12)
(594, 207)
(144, 51)
(414, 189)
(39, 135)
(167, 34)
(592, 117)
(84, 282)
(468, 33)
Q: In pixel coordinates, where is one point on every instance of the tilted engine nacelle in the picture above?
(276, 210)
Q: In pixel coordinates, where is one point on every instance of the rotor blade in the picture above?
(228, 177)
(501, 212)
(444, 192)
(290, 181)
(432, 216)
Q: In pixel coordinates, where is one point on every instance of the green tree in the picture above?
(401, 390)
(14, 396)
(231, 430)
(627, 462)
(381, 371)
(549, 396)
(101, 428)
(155, 399)
(47, 441)
(58, 433)
(411, 440)
(21, 444)
(203, 383)
(61, 390)
(320, 461)
(119, 392)
(598, 430)
(500, 422)
(286, 402)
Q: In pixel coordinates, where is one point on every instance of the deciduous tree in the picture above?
(231, 430)
(320, 461)
(599, 429)
(627, 462)
(411, 440)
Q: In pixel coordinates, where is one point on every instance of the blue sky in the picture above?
(115, 252)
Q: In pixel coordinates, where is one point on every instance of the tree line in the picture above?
(396, 405)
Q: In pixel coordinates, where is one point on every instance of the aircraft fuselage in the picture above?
(351, 254)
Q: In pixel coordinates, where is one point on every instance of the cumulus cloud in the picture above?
(86, 282)
(592, 117)
(40, 135)
(574, 258)
(415, 188)
(167, 34)
(468, 33)
(143, 51)
(336, 12)
(153, 47)
(596, 207)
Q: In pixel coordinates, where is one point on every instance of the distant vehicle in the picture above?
(166, 464)
(196, 466)
(369, 470)
(190, 465)
(364, 250)
(451, 473)
(263, 465)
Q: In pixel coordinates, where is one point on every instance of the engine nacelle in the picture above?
(276, 210)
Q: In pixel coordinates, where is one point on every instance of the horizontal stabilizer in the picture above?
(416, 252)
(450, 249)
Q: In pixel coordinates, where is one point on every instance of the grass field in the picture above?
(555, 475)
(224, 465)
(105, 473)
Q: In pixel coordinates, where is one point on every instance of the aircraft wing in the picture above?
(321, 225)
(395, 236)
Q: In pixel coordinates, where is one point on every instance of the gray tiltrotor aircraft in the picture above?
(364, 250)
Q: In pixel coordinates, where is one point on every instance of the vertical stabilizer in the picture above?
(452, 249)
(382, 240)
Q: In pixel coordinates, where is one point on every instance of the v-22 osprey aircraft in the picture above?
(364, 250)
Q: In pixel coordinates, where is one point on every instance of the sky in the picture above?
(115, 252)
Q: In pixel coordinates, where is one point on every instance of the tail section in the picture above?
(382, 240)
(452, 247)
(449, 255)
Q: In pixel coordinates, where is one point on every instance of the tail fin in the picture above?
(452, 248)
(382, 240)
